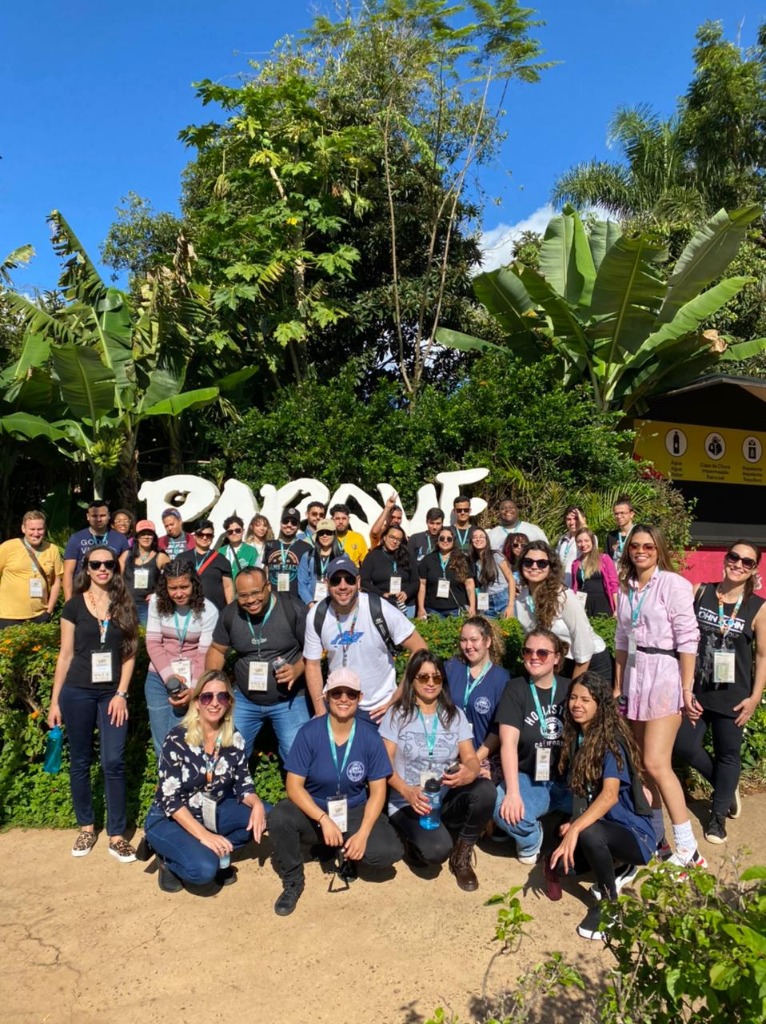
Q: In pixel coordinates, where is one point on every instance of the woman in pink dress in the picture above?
(656, 646)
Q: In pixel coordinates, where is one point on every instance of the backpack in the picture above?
(376, 613)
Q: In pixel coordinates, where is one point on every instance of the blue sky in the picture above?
(94, 94)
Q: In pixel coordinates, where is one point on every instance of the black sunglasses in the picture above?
(234, 529)
(747, 563)
(222, 696)
(460, 511)
(340, 691)
(530, 563)
(109, 563)
(447, 537)
(204, 534)
(342, 577)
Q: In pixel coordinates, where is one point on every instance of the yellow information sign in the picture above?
(681, 451)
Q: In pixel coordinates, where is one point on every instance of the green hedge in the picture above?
(30, 797)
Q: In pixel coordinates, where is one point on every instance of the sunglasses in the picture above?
(462, 511)
(427, 677)
(222, 696)
(530, 563)
(541, 652)
(342, 577)
(108, 564)
(340, 691)
(295, 522)
(635, 546)
(204, 535)
(325, 533)
(447, 539)
(518, 543)
(234, 529)
(747, 563)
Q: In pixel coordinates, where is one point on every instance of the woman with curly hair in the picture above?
(428, 738)
(543, 600)
(258, 532)
(99, 632)
(611, 822)
(446, 585)
(179, 631)
(495, 585)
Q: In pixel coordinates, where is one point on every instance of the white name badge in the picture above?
(582, 597)
(442, 588)
(723, 666)
(425, 776)
(395, 585)
(482, 602)
(283, 582)
(141, 579)
(258, 676)
(337, 811)
(101, 667)
(542, 764)
(208, 813)
(35, 587)
(182, 669)
(632, 647)
(320, 592)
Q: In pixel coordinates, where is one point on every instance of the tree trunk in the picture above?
(127, 483)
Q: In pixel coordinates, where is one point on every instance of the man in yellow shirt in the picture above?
(30, 574)
(352, 543)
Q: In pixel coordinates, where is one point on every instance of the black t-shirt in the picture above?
(517, 708)
(596, 603)
(377, 569)
(87, 639)
(430, 570)
(722, 697)
(420, 545)
(282, 558)
(213, 568)
(281, 636)
(140, 595)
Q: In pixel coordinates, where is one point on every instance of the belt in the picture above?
(658, 650)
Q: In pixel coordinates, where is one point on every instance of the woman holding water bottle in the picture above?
(435, 788)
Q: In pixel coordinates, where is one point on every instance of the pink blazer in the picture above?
(608, 578)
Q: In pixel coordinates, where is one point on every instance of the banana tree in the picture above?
(90, 374)
(600, 301)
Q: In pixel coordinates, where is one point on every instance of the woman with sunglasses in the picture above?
(594, 576)
(387, 571)
(531, 720)
(446, 586)
(312, 569)
(655, 650)
(476, 681)
(143, 567)
(726, 690)
(212, 568)
(258, 532)
(493, 579)
(99, 633)
(566, 546)
(235, 550)
(336, 788)
(428, 737)
(178, 633)
(544, 601)
(607, 827)
(512, 547)
(205, 805)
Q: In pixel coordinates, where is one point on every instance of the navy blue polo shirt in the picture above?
(484, 699)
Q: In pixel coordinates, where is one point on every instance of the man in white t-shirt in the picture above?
(353, 640)
(510, 523)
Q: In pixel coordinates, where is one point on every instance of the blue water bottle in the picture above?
(53, 747)
(433, 793)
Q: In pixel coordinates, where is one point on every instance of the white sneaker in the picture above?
(682, 860)
(736, 804)
(621, 879)
(530, 858)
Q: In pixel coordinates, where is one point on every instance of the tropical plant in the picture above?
(599, 301)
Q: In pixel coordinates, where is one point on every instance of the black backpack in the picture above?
(376, 612)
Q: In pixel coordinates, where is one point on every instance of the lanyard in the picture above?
(636, 611)
(471, 684)
(430, 739)
(529, 601)
(182, 636)
(32, 557)
(463, 540)
(323, 563)
(144, 558)
(542, 721)
(621, 541)
(262, 625)
(211, 760)
(285, 551)
(392, 561)
(206, 560)
(334, 748)
(565, 548)
(725, 624)
(350, 633)
(103, 629)
(444, 562)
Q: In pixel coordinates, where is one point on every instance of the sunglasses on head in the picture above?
(427, 677)
(342, 577)
(204, 534)
(341, 691)
(636, 546)
(541, 652)
(530, 563)
(108, 563)
(747, 563)
(222, 696)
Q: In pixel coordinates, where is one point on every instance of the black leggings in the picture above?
(465, 811)
(602, 845)
(723, 772)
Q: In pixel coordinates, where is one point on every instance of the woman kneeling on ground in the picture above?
(610, 826)
(427, 737)
(333, 761)
(205, 805)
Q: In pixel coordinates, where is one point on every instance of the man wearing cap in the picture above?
(30, 574)
(235, 550)
(267, 636)
(212, 568)
(175, 541)
(283, 555)
(511, 523)
(96, 532)
(422, 544)
(315, 512)
(352, 639)
(353, 543)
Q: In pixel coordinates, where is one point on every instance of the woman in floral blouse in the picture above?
(205, 805)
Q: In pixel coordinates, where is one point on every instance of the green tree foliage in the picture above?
(141, 238)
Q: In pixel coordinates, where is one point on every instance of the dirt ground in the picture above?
(91, 940)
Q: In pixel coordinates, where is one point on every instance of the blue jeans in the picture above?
(162, 715)
(453, 613)
(83, 709)
(287, 717)
(183, 853)
(539, 798)
(498, 602)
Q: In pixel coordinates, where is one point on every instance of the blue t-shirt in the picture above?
(484, 699)
(81, 542)
(624, 813)
(310, 758)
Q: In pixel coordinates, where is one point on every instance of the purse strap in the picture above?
(36, 560)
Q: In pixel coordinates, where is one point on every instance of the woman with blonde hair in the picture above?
(594, 575)
(258, 532)
(205, 805)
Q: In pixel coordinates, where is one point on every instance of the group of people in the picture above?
(379, 769)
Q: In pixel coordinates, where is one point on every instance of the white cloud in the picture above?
(496, 243)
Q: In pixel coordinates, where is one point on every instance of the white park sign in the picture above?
(195, 497)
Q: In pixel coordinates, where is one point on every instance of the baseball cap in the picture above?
(343, 677)
(325, 525)
(291, 515)
(342, 564)
(145, 526)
